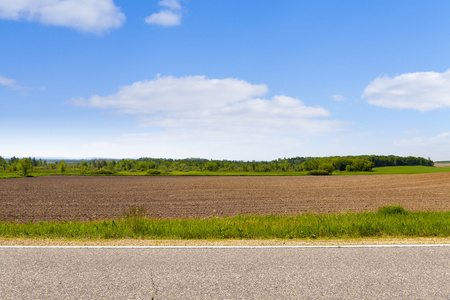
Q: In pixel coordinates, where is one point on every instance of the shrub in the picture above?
(25, 166)
(359, 165)
(62, 166)
(102, 172)
(318, 172)
(350, 168)
(326, 166)
(153, 172)
(392, 210)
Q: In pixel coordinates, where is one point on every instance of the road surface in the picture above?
(226, 273)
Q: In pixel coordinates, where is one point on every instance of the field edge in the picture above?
(223, 242)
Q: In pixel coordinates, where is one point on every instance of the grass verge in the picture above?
(392, 221)
(376, 171)
(223, 242)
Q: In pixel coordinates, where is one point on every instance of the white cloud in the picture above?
(169, 16)
(440, 139)
(337, 97)
(171, 4)
(282, 115)
(166, 94)
(164, 18)
(437, 146)
(95, 16)
(201, 111)
(422, 91)
(11, 83)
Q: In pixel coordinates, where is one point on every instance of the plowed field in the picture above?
(93, 198)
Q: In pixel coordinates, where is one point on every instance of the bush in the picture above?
(359, 165)
(326, 166)
(62, 166)
(392, 210)
(153, 172)
(25, 166)
(318, 172)
(350, 168)
(102, 172)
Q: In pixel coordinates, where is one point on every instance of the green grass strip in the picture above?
(376, 171)
(391, 221)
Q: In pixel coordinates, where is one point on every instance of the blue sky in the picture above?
(228, 79)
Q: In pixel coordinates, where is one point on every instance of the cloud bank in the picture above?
(199, 103)
(194, 116)
(422, 91)
(420, 145)
(442, 139)
(93, 16)
(169, 15)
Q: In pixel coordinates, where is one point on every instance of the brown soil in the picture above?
(442, 165)
(93, 198)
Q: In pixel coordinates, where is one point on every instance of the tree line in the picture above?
(328, 164)
(361, 163)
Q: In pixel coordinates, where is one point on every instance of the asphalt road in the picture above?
(225, 273)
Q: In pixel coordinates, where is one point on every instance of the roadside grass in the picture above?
(391, 221)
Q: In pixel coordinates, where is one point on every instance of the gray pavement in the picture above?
(225, 273)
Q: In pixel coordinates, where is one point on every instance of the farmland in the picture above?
(87, 198)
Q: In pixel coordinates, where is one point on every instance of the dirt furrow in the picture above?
(92, 198)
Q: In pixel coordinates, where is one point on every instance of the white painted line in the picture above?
(235, 247)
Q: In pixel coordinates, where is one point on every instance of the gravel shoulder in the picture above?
(229, 242)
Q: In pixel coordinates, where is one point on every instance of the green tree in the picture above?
(211, 166)
(84, 166)
(62, 166)
(25, 166)
(3, 163)
(111, 164)
(326, 166)
(152, 165)
(264, 168)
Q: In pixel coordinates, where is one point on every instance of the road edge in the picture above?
(226, 242)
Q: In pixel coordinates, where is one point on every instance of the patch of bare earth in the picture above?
(442, 165)
(94, 198)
